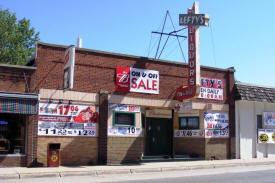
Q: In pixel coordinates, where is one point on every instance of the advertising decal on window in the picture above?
(67, 119)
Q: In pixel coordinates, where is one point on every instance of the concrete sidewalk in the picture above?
(62, 171)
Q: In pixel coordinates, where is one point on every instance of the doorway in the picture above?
(158, 136)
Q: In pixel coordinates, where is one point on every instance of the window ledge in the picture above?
(12, 155)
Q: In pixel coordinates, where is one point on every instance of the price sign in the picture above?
(67, 119)
(124, 131)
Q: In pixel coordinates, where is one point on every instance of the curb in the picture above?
(130, 170)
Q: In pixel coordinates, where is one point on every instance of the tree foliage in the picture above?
(17, 39)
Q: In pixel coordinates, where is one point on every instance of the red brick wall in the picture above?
(13, 80)
(95, 71)
(124, 150)
(31, 139)
(73, 150)
(12, 161)
(217, 148)
(192, 146)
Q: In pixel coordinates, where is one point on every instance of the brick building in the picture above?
(17, 116)
(130, 124)
(96, 122)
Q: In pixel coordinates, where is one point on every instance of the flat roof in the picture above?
(231, 69)
(22, 67)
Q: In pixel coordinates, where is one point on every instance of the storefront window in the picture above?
(12, 133)
(124, 119)
(188, 123)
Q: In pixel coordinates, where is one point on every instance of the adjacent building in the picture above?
(18, 113)
(255, 121)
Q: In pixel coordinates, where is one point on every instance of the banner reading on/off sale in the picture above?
(137, 80)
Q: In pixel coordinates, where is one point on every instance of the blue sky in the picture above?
(241, 32)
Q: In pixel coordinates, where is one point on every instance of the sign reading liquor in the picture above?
(69, 60)
(192, 89)
(215, 120)
(266, 136)
(137, 80)
(211, 88)
(66, 119)
(269, 118)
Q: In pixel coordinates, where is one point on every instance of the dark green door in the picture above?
(158, 136)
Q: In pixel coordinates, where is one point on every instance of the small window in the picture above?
(259, 121)
(188, 123)
(12, 133)
(124, 119)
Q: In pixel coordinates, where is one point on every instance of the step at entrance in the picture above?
(165, 158)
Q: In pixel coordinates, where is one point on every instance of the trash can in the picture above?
(53, 155)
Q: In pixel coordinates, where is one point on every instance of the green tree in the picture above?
(17, 39)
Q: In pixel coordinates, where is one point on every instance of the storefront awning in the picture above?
(19, 103)
(26, 96)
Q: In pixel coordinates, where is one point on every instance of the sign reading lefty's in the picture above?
(211, 88)
(137, 80)
(193, 20)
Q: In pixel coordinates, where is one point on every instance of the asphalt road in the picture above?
(243, 174)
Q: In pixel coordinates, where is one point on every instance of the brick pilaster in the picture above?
(103, 127)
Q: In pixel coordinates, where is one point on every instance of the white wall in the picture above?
(246, 130)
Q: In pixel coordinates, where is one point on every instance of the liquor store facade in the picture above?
(122, 108)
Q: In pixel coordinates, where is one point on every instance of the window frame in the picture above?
(123, 112)
(15, 142)
(187, 122)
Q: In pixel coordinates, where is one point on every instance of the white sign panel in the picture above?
(189, 133)
(144, 81)
(266, 136)
(69, 61)
(215, 120)
(67, 119)
(216, 133)
(124, 131)
(66, 129)
(269, 118)
(211, 88)
(124, 108)
(185, 106)
(137, 80)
